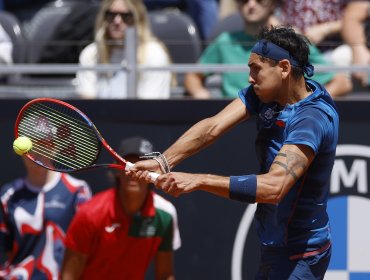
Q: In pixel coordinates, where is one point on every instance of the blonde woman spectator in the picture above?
(113, 19)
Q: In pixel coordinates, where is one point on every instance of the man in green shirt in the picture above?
(235, 48)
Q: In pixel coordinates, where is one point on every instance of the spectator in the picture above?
(117, 233)
(35, 213)
(356, 36)
(321, 23)
(113, 19)
(235, 47)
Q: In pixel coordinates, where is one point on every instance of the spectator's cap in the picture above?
(135, 146)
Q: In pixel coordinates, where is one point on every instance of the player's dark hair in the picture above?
(285, 37)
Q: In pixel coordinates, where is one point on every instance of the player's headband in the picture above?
(270, 50)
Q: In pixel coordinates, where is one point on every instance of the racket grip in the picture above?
(153, 175)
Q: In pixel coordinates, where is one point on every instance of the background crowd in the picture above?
(221, 32)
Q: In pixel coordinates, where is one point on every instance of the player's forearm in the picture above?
(215, 184)
(192, 141)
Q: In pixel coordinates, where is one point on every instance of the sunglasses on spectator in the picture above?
(127, 17)
(262, 2)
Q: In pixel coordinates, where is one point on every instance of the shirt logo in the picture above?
(112, 228)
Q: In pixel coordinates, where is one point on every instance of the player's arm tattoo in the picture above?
(292, 163)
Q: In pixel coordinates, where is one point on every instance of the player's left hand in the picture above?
(177, 183)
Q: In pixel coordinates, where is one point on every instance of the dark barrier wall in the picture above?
(217, 239)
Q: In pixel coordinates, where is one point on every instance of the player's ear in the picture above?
(285, 67)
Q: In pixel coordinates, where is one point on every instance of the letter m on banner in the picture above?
(348, 177)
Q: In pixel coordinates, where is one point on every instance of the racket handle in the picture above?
(153, 175)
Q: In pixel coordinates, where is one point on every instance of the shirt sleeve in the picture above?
(83, 195)
(80, 234)
(171, 237)
(250, 99)
(87, 79)
(307, 128)
(155, 84)
(212, 54)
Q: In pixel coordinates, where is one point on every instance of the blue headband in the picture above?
(270, 50)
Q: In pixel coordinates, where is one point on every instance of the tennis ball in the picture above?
(22, 145)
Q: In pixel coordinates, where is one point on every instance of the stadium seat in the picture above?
(233, 22)
(180, 34)
(56, 34)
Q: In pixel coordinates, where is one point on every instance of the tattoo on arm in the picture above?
(283, 165)
(293, 162)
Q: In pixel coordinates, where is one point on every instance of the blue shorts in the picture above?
(276, 264)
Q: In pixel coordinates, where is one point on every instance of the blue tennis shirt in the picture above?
(300, 220)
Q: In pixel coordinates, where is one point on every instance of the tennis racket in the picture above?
(63, 138)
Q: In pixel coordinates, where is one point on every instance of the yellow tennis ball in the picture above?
(22, 145)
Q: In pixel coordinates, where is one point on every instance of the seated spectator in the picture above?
(35, 213)
(235, 48)
(113, 19)
(320, 22)
(121, 230)
(357, 37)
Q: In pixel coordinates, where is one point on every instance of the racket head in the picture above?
(63, 138)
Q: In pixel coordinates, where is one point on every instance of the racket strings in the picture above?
(60, 134)
(64, 151)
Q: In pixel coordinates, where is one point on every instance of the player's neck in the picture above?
(296, 91)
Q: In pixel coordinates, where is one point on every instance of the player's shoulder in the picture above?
(163, 204)
(320, 100)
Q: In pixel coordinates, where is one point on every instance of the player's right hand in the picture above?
(136, 172)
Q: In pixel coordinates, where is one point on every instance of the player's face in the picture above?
(255, 10)
(129, 185)
(265, 78)
(118, 17)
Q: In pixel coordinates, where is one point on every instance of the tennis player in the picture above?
(36, 211)
(297, 125)
(121, 230)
